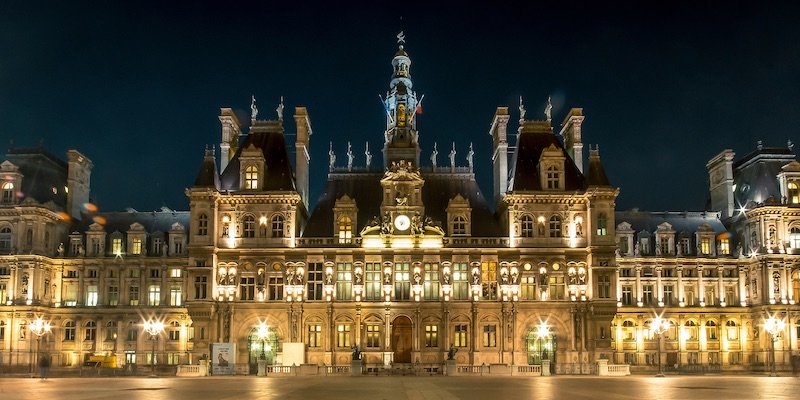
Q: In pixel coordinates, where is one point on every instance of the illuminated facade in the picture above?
(406, 260)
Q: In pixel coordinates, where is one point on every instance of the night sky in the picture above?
(137, 86)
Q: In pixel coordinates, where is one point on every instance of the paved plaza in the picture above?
(410, 388)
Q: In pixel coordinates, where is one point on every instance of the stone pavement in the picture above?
(405, 388)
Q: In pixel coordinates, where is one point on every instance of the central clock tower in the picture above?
(402, 207)
(401, 142)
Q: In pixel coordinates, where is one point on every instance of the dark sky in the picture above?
(137, 86)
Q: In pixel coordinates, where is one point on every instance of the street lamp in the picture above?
(38, 327)
(659, 326)
(154, 328)
(261, 333)
(773, 326)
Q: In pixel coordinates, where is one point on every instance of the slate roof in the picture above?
(153, 221)
(365, 189)
(207, 176)
(41, 172)
(535, 137)
(682, 222)
(756, 175)
(268, 137)
(597, 174)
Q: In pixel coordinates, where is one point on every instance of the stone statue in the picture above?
(504, 276)
(368, 155)
(451, 353)
(253, 109)
(453, 157)
(279, 110)
(331, 157)
(416, 224)
(578, 229)
(548, 109)
(349, 157)
(61, 249)
(514, 275)
(476, 277)
(386, 224)
(470, 154)
(521, 110)
(359, 276)
(433, 156)
(356, 353)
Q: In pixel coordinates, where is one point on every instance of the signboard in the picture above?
(223, 358)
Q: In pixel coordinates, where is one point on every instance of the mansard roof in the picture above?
(756, 175)
(366, 190)
(207, 176)
(152, 221)
(267, 136)
(42, 172)
(534, 137)
(681, 222)
(597, 174)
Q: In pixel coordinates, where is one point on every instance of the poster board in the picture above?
(223, 358)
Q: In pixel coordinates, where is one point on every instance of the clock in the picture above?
(401, 222)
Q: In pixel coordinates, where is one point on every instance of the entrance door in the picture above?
(401, 339)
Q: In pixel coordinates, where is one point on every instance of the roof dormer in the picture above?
(551, 168)
(251, 168)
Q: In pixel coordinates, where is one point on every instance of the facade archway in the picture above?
(541, 345)
(258, 348)
(401, 339)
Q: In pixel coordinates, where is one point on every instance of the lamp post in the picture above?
(154, 328)
(262, 332)
(773, 326)
(38, 327)
(659, 326)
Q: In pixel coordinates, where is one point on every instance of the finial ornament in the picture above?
(331, 157)
(521, 110)
(470, 153)
(279, 110)
(433, 156)
(368, 155)
(349, 157)
(401, 38)
(253, 109)
(548, 109)
(453, 157)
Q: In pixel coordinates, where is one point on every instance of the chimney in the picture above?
(500, 152)
(571, 132)
(302, 156)
(231, 128)
(79, 173)
(720, 178)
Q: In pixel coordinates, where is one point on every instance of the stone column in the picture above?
(681, 298)
(659, 287)
(639, 285)
(742, 287)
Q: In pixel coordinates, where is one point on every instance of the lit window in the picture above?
(711, 330)
(154, 295)
(733, 331)
(174, 331)
(277, 226)
(90, 331)
(460, 337)
(69, 331)
(251, 177)
(527, 226)
(705, 246)
(175, 273)
(116, 246)
(552, 177)
(202, 225)
(724, 246)
(8, 192)
(490, 336)
(431, 336)
(91, 296)
(175, 296)
(628, 331)
(345, 229)
(459, 226)
(602, 222)
(794, 193)
(5, 240)
(489, 280)
(794, 238)
(373, 336)
(137, 246)
(555, 226)
(343, 335)
(315, 335)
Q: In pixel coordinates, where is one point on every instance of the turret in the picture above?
(401, 105)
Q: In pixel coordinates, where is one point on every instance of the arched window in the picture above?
(277, 226)
(8, 193)
(691, 330)
(90, 330)
(527, 226)
(711, 331)
(794, 193)
(251, 177)
(796, 287)
(602, 222)
(111, 330)
(202, 225)
(552, 177)
(345, 229)
(794, 238)
(459, 226)
(555, 226)
(732, 330)
(249, 226)
(69, 331)
(5, 240)
(628, 331)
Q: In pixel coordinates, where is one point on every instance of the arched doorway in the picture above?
(258, 348)
(401, 339)
(541, 346)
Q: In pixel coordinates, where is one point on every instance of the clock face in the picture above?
(401, 222)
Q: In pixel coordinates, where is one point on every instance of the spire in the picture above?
(597, 174)
(401, 104)
(207, 176)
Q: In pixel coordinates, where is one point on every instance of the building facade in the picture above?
(406, 259)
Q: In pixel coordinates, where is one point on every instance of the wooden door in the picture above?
(401, 339)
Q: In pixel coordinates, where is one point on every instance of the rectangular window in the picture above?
(527, 287)
(154, 295)
(460, 338)
(344, 281)
(647, 294)
(158, 245)
(557, 288)
(69, 331)
(137, 246)
(668, 295)
(684, 243)
(175, 273)
(460, 281)
(626, 272)
(96, 249)
(693, 358)
(247, 288)
(133, 295)
(71, 295)
(315, 335)
(155, 273)
(3, 294)
(735, 358)
(175, 296)
(664, 244)
(275, 287)
(489, 280)
(730, 295)
(402, 281)
(116, 246)
(490, 336)
(705, 245)
(343, 335)
(133, 333)
(431, 284)
(200, 287)
(373, 281)
(604, 286)
(92, 274)
(314, 281)
(431, 335)
(91, 296)
(724, 246)
(627, 295)
(711, 296)
(173, 358)
(690, 297)
(72, 273)
(373, 336)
